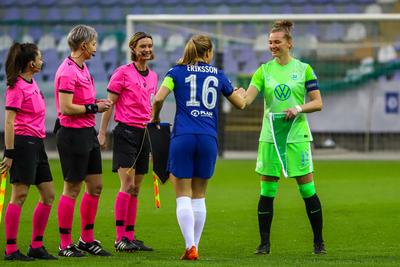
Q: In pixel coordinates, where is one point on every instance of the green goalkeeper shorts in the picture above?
(298, 156)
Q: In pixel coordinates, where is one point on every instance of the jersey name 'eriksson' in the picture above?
(196, 68)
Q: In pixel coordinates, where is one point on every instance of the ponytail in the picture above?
(19, 55)
(195, 50)
(12, 64)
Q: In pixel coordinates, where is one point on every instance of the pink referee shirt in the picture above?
(72, 79)
(135, 91)
(28, 101)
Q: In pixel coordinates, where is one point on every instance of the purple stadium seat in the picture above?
(58, 32)
(365, 2)
(67, 2)
(136, 9)
(33, 13)
(321, 2)
(308, 9)
(248, 30)
(265, 9)
(246, 54)
(109, 2)
(250, 67)
(50, 55)
(353, 9)
(26, 2)
(200, 9)
(110, 58)
(193, 2)
(74, 13)
(298, 2)
(6, 3)
(213, 2)
(129, 2)
(54, 14)
(329, 9)
(13, 31)
(313, 28)
(52, 62)
(94, 13)
(255, 2)
(334, 32)
(46, 2)
(35, 32)
(171, 2)
(285, 9)
(230, 66)
(88, 3)
(275, 2)
(114, 13)
(12, 14)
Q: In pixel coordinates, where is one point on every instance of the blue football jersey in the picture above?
(196, 89)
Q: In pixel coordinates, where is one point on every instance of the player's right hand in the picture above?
(5, 164)
(156, 122)
(102, 140)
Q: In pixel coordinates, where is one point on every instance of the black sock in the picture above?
(314, 212)
(265, 214)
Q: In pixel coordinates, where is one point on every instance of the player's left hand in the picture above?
(291, 113)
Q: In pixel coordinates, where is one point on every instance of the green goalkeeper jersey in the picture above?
(285, 87)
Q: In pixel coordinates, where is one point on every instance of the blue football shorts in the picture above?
(192, 155)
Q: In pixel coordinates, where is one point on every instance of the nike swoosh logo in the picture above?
(314, 211)
(264, 212)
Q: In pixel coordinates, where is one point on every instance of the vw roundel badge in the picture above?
(282, 92)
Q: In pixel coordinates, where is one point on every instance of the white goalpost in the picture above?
(342, 48)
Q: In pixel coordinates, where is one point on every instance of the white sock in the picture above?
(184, 213)
(199, 212)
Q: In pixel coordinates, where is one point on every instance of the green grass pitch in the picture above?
(361, 208)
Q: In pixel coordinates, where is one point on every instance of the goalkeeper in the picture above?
(285, 139)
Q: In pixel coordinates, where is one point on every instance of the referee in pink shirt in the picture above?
(77, 143)
(25, 155)
(131, 88)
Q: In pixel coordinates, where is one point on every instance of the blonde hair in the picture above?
(80, 34)
(134, 41)
(285, 26)
(195, 50)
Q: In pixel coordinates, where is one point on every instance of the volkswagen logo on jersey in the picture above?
(195, 113)
(282, 92)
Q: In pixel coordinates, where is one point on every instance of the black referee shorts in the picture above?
(79, 151)
(127, 143)
(30, 165)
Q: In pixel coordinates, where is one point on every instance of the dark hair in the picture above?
(285, 26)
(134, 41)
(195, 49)
(19, 55)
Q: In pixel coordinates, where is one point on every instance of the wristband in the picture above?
(9, 153)
(298, 108)
(91, 108)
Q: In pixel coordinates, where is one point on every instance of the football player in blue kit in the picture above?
(193, 150)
